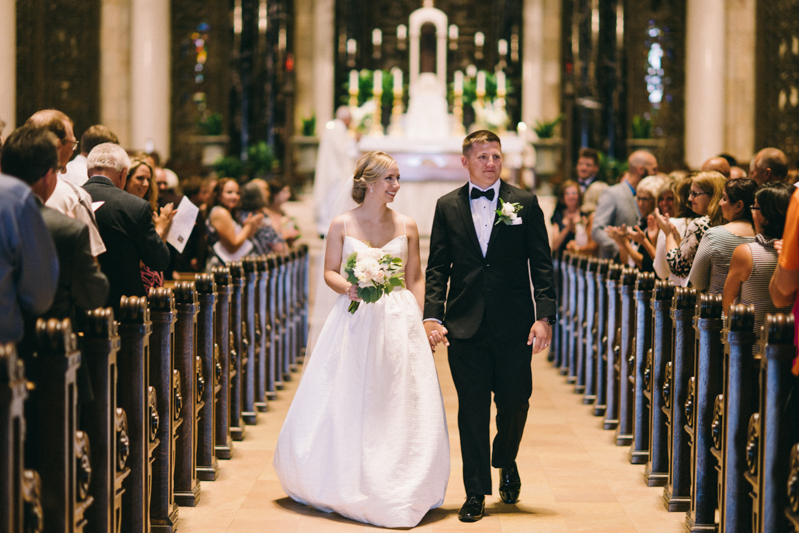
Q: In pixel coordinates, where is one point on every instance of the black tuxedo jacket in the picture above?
(126, 226)
(496, 286)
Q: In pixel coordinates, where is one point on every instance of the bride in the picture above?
(366, 435)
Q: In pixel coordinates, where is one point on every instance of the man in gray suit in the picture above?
(617, 204)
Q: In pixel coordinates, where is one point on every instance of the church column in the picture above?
(149, 73)
(541, 60)
(323, 65)
(8, 64)
(115, 55)
(704, 80)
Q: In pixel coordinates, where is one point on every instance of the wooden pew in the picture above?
(554, 347)
(601, 339)
(656, 472)
(275, 368)
(706, 384)
(139, 401)
(613, 345)
(771, 428)
(224, 443)
(578, 370)
(569, 370)
(590, 332)
(105, 423)
(296, 311)
(305, 302)
(677, 493)
(625, 361)
(57, 450)
(165, 378)
(261, 334)
(238, 349)
(192, 386)
(208, 352)
(732, 411)
(283, 309)
(563, 310)
(638, 378)
(248, 332)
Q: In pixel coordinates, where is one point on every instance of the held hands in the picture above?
(540, 336)
(436, 333)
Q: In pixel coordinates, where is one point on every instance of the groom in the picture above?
(487, 317)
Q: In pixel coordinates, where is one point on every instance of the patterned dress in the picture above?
(681, 259)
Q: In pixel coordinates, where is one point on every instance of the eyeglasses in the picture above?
(73, 143)
(693, 194)
(754, 208)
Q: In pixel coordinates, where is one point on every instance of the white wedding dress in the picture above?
(366, 435)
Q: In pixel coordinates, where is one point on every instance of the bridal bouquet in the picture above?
(375, 273)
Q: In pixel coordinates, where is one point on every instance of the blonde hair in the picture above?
(370, 167)
(713, 183)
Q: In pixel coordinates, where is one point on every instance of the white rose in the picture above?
(380, 277)
(508, 209)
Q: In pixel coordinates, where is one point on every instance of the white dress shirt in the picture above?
(77, 173)
(75, 202)
(483, 214)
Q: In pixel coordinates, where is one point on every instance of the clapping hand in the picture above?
(636, 235)
(163, 220)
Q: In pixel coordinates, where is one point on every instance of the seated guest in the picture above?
(28, 260)
(77, 173)
(126, 224)
(266, 238)
(567, 215)
(705, 194)
(583, 243)
(715, 250)
(587, 168)
(228, 240)
(678, 213)
(140, 183)
(284, 224)
(754, 263)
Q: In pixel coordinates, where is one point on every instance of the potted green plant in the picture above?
(306, 147)
(260, 163)
(212, 139)
(548, 148)
(642, 135)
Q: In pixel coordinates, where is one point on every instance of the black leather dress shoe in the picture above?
(510, 484)
(472, 510)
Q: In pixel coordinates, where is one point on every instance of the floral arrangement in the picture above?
(490, 115)
(507, 213)
(375, 273)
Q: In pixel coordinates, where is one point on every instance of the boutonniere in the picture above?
(507, 213)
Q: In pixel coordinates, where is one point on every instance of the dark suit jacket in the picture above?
(496, 286)
(126, 226)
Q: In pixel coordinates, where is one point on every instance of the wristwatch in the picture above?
(551, 319)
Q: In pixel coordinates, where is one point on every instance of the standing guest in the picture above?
(713, 255)
(68, 198)
(77, 173)
(719, 164)
(229, 240)
(266, 239)
(754, 263)
(769, 165)
(126, 224)
(194, 253)
(567, 215)
(583, 243)
(279, 193)
(705, 195)
(785, 281)
(587, 168)
(617, 205)
(28, 260)
(679, 214)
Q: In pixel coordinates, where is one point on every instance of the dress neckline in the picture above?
(381, 247)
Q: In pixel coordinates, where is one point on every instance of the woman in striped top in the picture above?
(715, 250)
(753, 264)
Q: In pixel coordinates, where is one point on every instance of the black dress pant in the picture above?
(481, 365)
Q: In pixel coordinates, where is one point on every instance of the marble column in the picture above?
(541, 60)
(149, 74)
(705, 63)
(8, 64)
(115, 57)
(304, 52)
(323, 66)
(740, 80)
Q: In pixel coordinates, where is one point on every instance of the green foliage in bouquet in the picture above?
(372, 293)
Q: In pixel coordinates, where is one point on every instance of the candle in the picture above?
(402, 32)
(397, 81)
(479, 39)
(458, 89)
(453, 32)
(352, 46)
(377, 37)
(378, 88)
(503, 47)
(500, 84)
(481, 83)
(353, 82)
(471, 71)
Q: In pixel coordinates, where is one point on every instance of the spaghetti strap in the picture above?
(345, 225)
(404, 228)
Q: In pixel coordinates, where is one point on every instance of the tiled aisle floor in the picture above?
(574, 478)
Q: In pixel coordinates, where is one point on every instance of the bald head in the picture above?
(719, 164)
(61, 125)
(641, 164)
(769, 165)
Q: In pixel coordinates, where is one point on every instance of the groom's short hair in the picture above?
(480, 136)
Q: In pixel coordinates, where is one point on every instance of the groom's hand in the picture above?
(540, 335)
(436, 333)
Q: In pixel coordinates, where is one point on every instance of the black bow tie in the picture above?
(477, 193)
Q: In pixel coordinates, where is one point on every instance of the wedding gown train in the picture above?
(366, 434)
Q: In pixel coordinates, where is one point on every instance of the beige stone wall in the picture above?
(740, 79)
(304, 61)
(552, 66)
(115, 83)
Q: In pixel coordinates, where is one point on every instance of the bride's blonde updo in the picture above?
(371, 167)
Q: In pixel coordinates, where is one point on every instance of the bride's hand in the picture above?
(352, 293)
